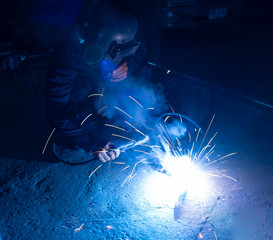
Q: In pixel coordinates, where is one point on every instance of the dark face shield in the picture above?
(117, 52)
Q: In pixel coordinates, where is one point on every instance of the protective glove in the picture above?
(90, 143)
(120, 73)
(108, 153)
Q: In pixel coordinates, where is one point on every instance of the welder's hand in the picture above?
(120, 73)
(107, 153)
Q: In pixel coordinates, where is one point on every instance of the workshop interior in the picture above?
(180, 89)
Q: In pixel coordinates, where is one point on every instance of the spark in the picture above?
(123, 112)
(227, 156)
(168, 71)
(48, 140)
(104, 114)
(136, 101)
(86, 118)
(200, 236)
(222, 175)
(178, 142)
(95, 171)
(207, 146)
(171, 144)
(101, 95)
(123, 137)
(136, 150)
(124, 168)
(131, 174)
(101, 109)
(135, 128)
(114, 126)
(210, 163)
(229, 177)
(197, 134)
(207, 132)
(109, 227)
(96, 152)
(121, 163)
(189, 136)
(215, 235)
(170, 107)
(79, 229)
(95, 94)
(155, 146)
(209, 153)
(150, 108)
(125, 180)
(180, 119)
(167, 118)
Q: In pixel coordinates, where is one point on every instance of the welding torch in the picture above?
(130, 145)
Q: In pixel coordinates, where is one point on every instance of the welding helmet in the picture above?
(109, 35)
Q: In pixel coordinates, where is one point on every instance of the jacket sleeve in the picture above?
(61, 76)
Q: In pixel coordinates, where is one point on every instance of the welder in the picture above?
(98, 55)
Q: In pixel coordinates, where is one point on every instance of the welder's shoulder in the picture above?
(65, 52)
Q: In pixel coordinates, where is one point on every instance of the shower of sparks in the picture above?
(135, 128)
(123, 112)
(48, 140)
(116, 135)
(131, 174)
(86, 118)
(79, 228)
(101, 110)
(114, 126)
(136, 101)
(94, 171)
(189, 170)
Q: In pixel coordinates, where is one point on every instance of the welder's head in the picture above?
(109, 34)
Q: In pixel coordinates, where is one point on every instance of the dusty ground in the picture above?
(45, 199)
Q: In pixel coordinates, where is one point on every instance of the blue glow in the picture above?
(107, 67)
(183, 176)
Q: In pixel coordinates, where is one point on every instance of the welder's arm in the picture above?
(61, 75)
(62, 72)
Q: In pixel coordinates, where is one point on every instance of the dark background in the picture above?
(234, 52)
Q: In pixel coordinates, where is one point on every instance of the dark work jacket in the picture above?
(69, 83)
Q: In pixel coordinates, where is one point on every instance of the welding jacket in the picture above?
(69, 83)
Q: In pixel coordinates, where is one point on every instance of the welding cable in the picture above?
(180, 116)
(122, 148)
